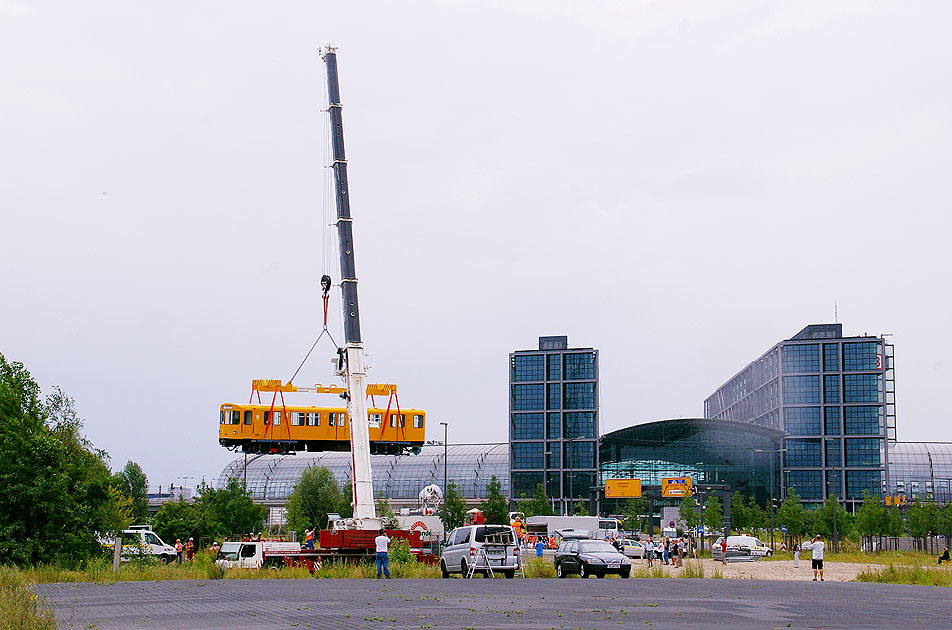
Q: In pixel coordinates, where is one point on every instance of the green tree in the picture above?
(944, 521)
(790, 514)
(455, 508)
(134, 485)
(57, 488)
(757, 517)
(740, 518)
(713, 513)
(895, 526)
(228, 511)
(687, 513)
(581, 508)
(540, 504)
(495, 507)
(314, 496)
(823, 519)
(177, 520)
(870, 518)
(635, 512)
(921, 519)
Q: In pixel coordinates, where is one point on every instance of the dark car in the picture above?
(590, 557)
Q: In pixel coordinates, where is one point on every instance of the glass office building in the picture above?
(738, 455)
(834, 397)
(553, 422)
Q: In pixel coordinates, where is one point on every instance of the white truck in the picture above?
(139, 541)
(597, 527)
(265, 553)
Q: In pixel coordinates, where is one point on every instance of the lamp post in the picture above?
(445, 489)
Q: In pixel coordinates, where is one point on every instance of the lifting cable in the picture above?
(326, 288)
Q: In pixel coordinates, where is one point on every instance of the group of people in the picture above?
(189, 549)
(672, 550)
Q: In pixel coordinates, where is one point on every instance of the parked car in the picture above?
(632, 548)
(590, 557)
(483, 547)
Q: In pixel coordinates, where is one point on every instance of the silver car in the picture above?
(483, 548)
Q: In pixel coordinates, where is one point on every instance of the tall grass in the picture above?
(644, 571)
(538, 568)
(915, 574)
(20, 608)
(693, 569)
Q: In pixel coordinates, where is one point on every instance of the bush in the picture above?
(400, 553)
(20, 608)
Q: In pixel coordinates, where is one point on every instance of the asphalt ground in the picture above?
(571, 604)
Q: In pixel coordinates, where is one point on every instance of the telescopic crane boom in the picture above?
(353, 363)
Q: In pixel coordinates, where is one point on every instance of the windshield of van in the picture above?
(229, 551)
(498, 534)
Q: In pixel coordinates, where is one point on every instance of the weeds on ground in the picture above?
(21, 608)
(693, 569)
(644, 571)
(915, 574)
(539, 568)
(910, 558)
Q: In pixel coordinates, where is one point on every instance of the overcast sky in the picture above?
(680, 185)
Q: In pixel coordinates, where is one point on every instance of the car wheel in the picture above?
(769, 553)
(625, 574)
(582, 571)
(464, 569)
(559, 571)
(600, 576)
(443, 570)
(509, 574)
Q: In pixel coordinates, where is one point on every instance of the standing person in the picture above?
(649, 551)
(796, 553)
(680, 552)
(190, 550)
(309, 538)
(538, 547)
(664, 550)
(178, 549)
(383, 557)
(723, 549)
(817, 546)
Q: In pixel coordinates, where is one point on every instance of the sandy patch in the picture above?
(770, 570)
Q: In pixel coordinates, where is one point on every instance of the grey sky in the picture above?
(679, 185)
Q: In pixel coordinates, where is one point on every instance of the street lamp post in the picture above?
(445, 489)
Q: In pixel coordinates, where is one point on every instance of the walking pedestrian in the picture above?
(383, 557)
(178, 549)
(649, 551)
(796, 553)
(817, 546)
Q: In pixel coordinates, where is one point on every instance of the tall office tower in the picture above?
(553, 423)
(835, 398)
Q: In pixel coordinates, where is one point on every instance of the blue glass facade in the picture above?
(556, 444)
(834, 397)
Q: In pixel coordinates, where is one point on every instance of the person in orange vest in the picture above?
(178, 549)
(309, 538)
(190, 549)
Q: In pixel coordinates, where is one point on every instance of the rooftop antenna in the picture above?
(836, 317)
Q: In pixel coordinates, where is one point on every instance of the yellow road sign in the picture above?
(622, 488)
(676, 487)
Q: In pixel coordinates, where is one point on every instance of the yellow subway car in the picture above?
(259, 428)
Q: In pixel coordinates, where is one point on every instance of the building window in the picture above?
(527, 426)
(861, 388)
(803, 454)
(524, 483)
(801, 420)
(831, 357)
(528, 455)
(553, 455)
(554, 396)
(831, 421)
(834, 483)
(553, 487)
(859, 480)
(860, 357)
(553, 367)
(801, 358)
(579, 366)
(527, 367)
(528, 397)
(863, 452)
(554, 425)
(579, 396)
(807, 483)
(801, 390)
(863, 421)
(580, 455)
(580, 425)
(831, 389)
(833, 453)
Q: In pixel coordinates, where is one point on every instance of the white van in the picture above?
(139, 542)
(742, 545)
